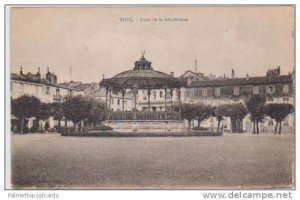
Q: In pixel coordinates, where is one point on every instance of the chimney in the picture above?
(172, 74)
(247, 77)
(21, 71)
(232, 74)
(38, 73)
(196, 67)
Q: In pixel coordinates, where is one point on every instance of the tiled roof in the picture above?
(244, 81)
(31, 78)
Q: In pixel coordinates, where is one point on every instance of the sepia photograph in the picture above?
(150, 97)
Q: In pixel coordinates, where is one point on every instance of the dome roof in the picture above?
(149, 73)
(143, 76)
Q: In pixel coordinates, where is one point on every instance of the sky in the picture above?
(92, 41)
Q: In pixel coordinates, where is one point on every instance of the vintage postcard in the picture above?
(150, 97)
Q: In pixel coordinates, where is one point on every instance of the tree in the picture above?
(219, 112)
(255, 106)
(203, 112)
(188, 112)
(278, 112)
(43, 113)
(97, 111)
(237, 112)
(76, 109)
(24, 107)
(57, 112)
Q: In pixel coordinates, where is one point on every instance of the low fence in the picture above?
(144, 115)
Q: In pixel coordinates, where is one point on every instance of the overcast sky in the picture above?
(94, 41)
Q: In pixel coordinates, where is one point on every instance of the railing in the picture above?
(57, 97)
(144, 115)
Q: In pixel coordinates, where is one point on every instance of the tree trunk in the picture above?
(279, 127)
(22, 125)
(199, 122)
(257, 128)
(254, 128)
(233, 126)
(37, 125)
(219, 126)
(276, 126)
(238, 126)
(76, 127)
(59, 126)
(189, 125)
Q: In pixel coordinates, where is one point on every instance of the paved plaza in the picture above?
(229, 161)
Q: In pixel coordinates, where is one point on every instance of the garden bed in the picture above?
(139, 134)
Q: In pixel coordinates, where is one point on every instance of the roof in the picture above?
(143, 76)
(244, 81)
(78, 85)
(30, 78)
(195, 74)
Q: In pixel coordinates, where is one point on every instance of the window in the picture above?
(285, 89)
(204, 92)
(236, 91)
(161, 94)
(217, 91)
(47, 90)
(118, 101)
(144, 95)
(192, 92)
(270, 89)
(112, 100)
(285, 100)
(57, 91)
(255, 90)
(154, 94)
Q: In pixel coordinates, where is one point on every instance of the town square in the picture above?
(125, 104)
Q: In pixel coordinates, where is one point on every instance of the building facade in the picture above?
(275, 87)
(46, 89)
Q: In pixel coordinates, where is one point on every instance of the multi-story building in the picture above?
(46, 89)
(275, 87)
(93, 90)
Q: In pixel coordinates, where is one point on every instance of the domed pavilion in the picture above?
(144, 77)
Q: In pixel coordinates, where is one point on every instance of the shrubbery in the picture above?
(200, 128)
(101, 127)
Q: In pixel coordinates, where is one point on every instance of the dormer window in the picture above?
(270, 89)
(217, 91)
(255, 90)
(285, 89)
(204, 92)
(236, 91)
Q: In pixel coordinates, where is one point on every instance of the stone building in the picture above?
(275, 87)
(46, 89)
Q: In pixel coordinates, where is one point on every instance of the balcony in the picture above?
(57, 97)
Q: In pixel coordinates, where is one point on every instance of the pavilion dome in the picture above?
(143, 76)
